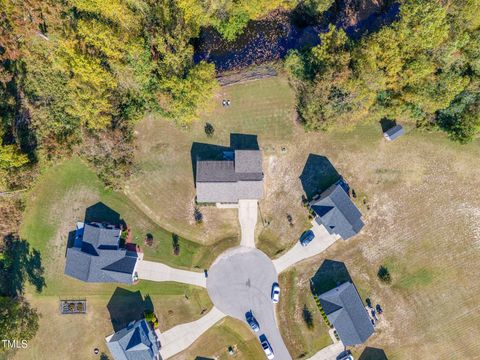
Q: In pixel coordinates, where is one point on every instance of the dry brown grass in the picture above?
(215, 342)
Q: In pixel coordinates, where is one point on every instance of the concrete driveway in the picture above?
(247, 216)
(241, 280)
(320, 243)
(329, 353)
(149, 270)
(182, 336)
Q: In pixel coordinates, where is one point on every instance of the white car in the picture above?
(266, 347)
(275, 293)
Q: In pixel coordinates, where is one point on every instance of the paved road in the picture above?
(149, 270)
(182, 336)
(241, 280)
(247, 216)
(298, 253)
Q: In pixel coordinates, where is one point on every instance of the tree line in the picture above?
(423, 68)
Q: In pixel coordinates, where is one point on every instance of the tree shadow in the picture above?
(203, 358)
(331, 274)
(373, 354)
(126, 306)
(101, 213)
(387, 124)
(318, 175)
(203, 151)
(18, 264)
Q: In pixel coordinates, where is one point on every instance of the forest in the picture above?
(76, 75)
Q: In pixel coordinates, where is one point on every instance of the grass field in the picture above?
(215, 342)
(419, 197)
(59, 199)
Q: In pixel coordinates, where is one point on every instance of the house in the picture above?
(394, 132)
(336, 212)
(97, 255)
(137, 341)
(346, 312)
(238, 176)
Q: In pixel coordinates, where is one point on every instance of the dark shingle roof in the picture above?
(99, 259)
(135, 342)
(346, 312)
(228, 181)
(337, 212)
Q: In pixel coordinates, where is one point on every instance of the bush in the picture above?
(384, 275)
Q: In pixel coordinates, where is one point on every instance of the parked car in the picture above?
(267, 348)
(275, 293)
(307, 237)
(252, 321)
(345, 355)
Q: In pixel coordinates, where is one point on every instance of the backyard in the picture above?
(417, 195)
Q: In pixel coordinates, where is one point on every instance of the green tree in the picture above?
(17, 319)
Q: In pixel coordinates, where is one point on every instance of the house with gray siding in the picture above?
(348, 315)
(97, 255)
(336, 212)
(229, 180)
(137, 341)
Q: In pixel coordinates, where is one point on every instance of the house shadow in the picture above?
(318, 175)
(331, 274)
(204, 151)
(126, 306)
(203, 358)
(101, 213)
(387, 124)
(70, 240)
(373, 354)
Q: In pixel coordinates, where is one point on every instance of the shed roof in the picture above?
(345, 310)
(394, 132)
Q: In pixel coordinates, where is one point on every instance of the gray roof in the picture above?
(227, 181)
(346, 312)
(394, 132)
(99, 258)
(135, 342)
(337, 212)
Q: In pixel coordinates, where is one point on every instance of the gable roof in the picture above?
(394, 132)
(99, 258)
(345, 310)
(135, 342)
(228, 181)
(336, 211)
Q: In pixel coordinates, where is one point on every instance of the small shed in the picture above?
(394, 132)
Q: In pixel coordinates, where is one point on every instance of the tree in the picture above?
(17, 319)
(384, 275)
(11, 157)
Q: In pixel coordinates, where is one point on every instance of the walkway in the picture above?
(320, 243)
(182, 336)
(247, 216)
(149, 270)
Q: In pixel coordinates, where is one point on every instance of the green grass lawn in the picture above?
(59, 199)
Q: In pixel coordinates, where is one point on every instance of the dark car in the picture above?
(252, 321)
(307, 237)
(267, 348)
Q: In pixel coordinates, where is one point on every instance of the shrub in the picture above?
(384, 275)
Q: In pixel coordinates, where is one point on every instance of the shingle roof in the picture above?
(99, 259)
(135, 342)
(337, 212)
(345, 310)
(228, 181)
(394, 132)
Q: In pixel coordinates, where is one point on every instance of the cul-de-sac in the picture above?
(244, 180)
